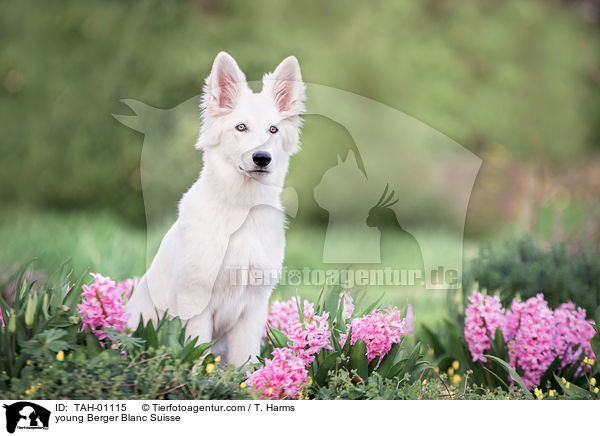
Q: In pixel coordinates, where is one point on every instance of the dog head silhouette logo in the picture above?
(26, 415)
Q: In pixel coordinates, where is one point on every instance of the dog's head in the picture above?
(253, 133)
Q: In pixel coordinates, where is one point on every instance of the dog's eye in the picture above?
(273, 129)
(241, 127)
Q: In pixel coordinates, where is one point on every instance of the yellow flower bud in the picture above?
(210, 368)
(551, 393)
(450, 372)
(12, 324)
(60, 356)
(591, 362)
(45, 306)
(243, 385)
(456, 365)
(28, 362)
(218, 359)
(593, 381)
(596, 390)
(30, 310)
(270, 391)
(456, 380)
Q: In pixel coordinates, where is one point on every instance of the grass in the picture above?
(92, 241)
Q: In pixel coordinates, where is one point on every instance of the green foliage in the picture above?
(402, 359)
(94, 241)
(46, 355)
(170, 334)
(153, 374)
(47, 344)
(448, 347)
(64, 70)
(520, 268)
(42, 324)
(342, 387)
(352, 358)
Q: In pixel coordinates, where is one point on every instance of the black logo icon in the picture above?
(26, 415)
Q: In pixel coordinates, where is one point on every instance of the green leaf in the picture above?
(595, 341)
(339, 316)
(597, 317)
(574, 391)
(497, 377)
(46, 343)
(498, 345)
(358, 359)
(371, 306)
(570, 370)
(92, 341)
(372, 365)
(73, 296)
(140, 331)
(408, 365)
(185, 351)
(331, 302)
(433, 340)
(388, 360)
(277, 337)
(511, 372)
(326, 366)
(319, 300)
(151, 338)
(549, 373)
(347, 346)
(198, 352)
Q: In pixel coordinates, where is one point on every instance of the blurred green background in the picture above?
(517, 82)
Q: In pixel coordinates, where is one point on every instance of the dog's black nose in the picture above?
(261, 158)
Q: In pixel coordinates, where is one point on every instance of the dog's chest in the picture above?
(250, 269)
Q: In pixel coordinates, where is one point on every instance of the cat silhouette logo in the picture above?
(26, 415)
(396, 194)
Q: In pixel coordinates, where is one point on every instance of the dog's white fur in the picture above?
(231, 218)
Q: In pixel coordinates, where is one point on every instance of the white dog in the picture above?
(231, 220)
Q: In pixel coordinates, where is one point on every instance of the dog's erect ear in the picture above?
(223, 85)
(286, 86)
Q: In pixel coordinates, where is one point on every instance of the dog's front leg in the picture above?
(200, 327)
(243, 340)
